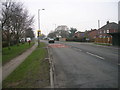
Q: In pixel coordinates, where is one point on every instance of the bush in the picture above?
(76, 39)
(4, 44)
(57, 39)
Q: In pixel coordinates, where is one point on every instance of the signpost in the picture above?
(39, 32)
(87, 39)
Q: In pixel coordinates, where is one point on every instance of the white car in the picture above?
(28, 39)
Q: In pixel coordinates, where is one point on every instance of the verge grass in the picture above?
(15, 50)
(32, 73)
(104, 44)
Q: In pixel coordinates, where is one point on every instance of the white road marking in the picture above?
(80, 50)
(94, 55)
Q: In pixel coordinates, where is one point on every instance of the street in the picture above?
(60, 44)
(84, 65)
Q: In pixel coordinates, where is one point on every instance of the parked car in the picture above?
(51, 40)
(28, 39)
(22, 40)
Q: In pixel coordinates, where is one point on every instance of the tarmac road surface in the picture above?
(83, 65)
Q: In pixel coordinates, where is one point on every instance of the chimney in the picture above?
(107, 22)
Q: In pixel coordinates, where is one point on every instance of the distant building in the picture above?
(89, 35)
(92, 34)
(79, 34)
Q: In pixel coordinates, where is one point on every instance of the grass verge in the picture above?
(32, 73)
(104, 44)
(15, 50)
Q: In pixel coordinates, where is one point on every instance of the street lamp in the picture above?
(39, 31)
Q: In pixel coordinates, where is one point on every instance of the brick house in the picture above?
(116, 36)
(79, 34)
(89, 35)
(104, 34)
(92, 34)
(107, 34)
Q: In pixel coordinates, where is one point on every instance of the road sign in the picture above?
(87, 39)
(39, 30)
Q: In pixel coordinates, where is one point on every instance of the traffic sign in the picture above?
(39, 30)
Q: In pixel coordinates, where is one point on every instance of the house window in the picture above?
(100, 36)
(107, 31)
(94, 36)
(104, 31)
(104, 36)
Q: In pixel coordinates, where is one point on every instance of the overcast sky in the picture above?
(80, 14)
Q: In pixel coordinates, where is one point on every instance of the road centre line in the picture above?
(76, 48)
(80, 50)
(95, 55)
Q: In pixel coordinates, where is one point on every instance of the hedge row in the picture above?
(76, 39)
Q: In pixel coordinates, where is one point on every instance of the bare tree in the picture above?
(5, 21)
(29, 33)
(15, 20)
(52, 34)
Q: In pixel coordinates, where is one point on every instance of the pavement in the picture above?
(82, 65)
(15, 62)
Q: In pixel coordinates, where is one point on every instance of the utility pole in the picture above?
(39, 31)
(98, 24)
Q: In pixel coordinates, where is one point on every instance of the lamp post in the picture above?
(39, 31)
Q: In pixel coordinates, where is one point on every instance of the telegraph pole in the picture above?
(98, 24)
(39, 31)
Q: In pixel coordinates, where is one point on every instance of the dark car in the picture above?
(51, 40)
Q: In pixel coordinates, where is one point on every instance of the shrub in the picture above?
(4, 44)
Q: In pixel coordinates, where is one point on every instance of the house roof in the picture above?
(80, 32)
(111, 25)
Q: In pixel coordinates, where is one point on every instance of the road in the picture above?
(84, 65)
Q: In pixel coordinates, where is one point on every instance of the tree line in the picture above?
(16, 23)
(69, 35)
(62, 33)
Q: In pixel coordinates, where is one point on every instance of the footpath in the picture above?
(15, 62)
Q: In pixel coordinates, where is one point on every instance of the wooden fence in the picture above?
(103, 40)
